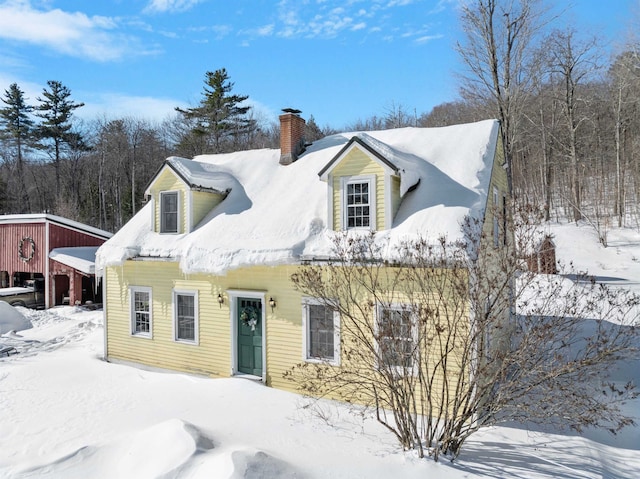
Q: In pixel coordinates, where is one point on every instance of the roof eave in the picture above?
(324, 173)
(192, 186)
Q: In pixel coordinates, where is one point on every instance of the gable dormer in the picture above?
(182, 193)
(364, 187)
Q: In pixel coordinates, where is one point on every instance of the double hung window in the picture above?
(186, 316)
(396, 336)
(141, 311)
(358, 202)
(169, 212)
(358, 205)
(321, 326)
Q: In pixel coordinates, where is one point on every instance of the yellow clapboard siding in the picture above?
(395, 195)
(202, 203)
(283, 330)
(357, 163)
(167, 180)
(213, 355)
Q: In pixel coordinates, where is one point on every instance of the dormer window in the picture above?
(169, 212)
(358, 200)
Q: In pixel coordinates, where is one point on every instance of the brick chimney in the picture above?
(291, 136)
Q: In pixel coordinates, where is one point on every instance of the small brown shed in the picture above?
(543, 258)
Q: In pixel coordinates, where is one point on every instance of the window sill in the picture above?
(329, 362)
(142, 335)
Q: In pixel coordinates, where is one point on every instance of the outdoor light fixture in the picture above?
(272, 303)
(220, 299)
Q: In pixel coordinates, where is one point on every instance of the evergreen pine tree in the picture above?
(220, 116)
(312, 131)
(16, 130)
(56, 109)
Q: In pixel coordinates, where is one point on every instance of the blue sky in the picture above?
(338, 60)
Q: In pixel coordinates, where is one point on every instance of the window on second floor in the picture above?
(358, 203)
(169, 212)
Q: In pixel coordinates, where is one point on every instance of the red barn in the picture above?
(58, 250)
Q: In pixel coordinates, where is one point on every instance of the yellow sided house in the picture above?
(199, 280)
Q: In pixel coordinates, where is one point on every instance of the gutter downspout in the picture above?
(103, 278)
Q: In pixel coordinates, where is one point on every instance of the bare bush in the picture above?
(440, 340)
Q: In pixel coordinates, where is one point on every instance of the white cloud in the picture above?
(399, 3)
(332, 18)
(442, 6)
(290, 17)
(13, 62)
(219, 31)
(263, 31)
(325, 22)
(31, 90)
(428, 38)
(162, 6)
(118, 105)
(74, 34)
(99, 105)
(261, 112)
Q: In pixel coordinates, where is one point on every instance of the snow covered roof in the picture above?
(81, 258)
(368, 143)
(199, 176)
(45, 217)
(277, 214)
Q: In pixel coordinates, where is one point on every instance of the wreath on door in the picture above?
(249, 317)
(32, 249)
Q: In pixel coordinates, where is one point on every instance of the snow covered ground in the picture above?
(65, 413)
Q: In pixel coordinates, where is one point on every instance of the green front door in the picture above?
(249, 321)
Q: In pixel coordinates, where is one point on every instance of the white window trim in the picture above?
(330, 206)
(196, 322)
(373, 213)
(188, 209)
(179, 212)
(306, 337)
(414, 332)
(154, 226)
(132, 312)
(388, 203)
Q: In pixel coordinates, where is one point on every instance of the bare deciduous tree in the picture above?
(572, 62)
(624, 76)
(496, 48)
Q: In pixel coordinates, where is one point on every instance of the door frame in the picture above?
(233, 295)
